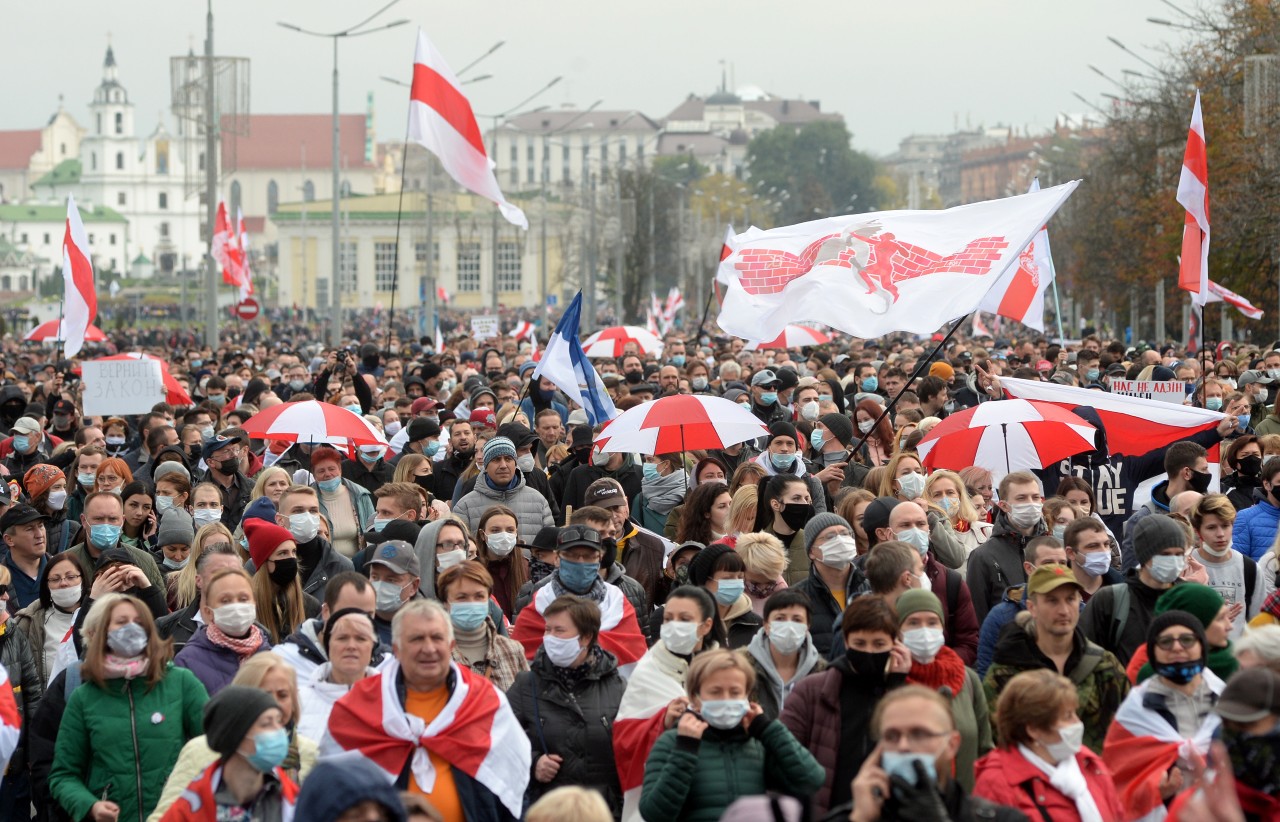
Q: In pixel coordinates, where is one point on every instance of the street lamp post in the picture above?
(358, 30)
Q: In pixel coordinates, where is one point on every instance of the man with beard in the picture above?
(462, 445)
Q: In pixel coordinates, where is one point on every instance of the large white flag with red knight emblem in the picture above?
(1019, 294)
(873, 274)
(1193, 195)
(441, 121)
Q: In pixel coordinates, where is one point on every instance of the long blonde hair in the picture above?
(185, 591)
(264, 476)
(965, 511)
(266, 596)
(742, 509)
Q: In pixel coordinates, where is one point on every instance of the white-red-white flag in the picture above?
(1221, 294)
(873, 274)
(721, 281)
(441, 121)
(1019, 294)
(80, 299)
(442, 294)
(979, 327)
(1193, 195)
(242, 245)
(675, 302)
(226, 249)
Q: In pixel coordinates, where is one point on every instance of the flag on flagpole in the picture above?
(442, 294)
(721, 281)
(1019, 294)
(873, 274)
(439, 336)
(1220, 293)
(242, 244)
(441, 121)
(80, 298)
(1193, 195)
(566, 365)
(979, 327)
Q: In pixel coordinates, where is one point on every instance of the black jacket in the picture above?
(446, 472)
(960, 807)
(179, 626)
(824, 609)
(371, 478)
(574, 721)
(1121, 634)
(575, 488)
(317, 576)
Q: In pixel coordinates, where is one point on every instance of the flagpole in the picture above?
(706, 309)
(395, 272)
(1057, 306)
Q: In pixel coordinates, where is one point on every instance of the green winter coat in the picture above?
(696, 780)
(1101, 684)
(124, 738)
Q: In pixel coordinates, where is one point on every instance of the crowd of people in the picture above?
(491, 618)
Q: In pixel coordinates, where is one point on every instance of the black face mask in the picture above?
(1200, 480)
(229, 466)
(867, 664)
(1250, 466)
(633, 377)
(285, 572)
(1255, 759)
(424, 481)
(797, 514)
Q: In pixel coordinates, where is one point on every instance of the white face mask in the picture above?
(679, 637)
(912, 485)
(304, 527)
(525, 462)
(809, 411)
(923, 643)
(561, 650)
(56, 500)
(839, 551)
(600, 459)
(1024, 515)
(1072, 738)
(206, 516)
(1166, 569)
(788, 637)
(500, 544)
(235, 618)
(448, 559)
(66, 598)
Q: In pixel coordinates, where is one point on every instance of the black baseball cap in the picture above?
(19, 514)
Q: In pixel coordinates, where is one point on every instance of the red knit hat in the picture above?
(264, 538)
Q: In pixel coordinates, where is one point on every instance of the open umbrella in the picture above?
(1008, 435)
(793, 336)
(609, 342)
(174, 393)
(683, 422)
(313, 422)
(52, 331)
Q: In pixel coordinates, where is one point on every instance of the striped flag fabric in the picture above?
(1221, 294)
(475, 731)
(620, 632)
(720, 283)
(441, 121)
(10, 721)
(1019, 294)
(80, 299)
(566, 365)
(1193, 195)
(638, 725)
(242, 245)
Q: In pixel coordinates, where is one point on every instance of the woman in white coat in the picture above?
(349, 639)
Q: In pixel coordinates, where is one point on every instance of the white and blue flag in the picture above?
(565, 364)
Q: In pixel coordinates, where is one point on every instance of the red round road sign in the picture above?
(247, 309)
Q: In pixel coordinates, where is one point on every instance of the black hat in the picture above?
(230, 714)
(839, 426)
(572, 536)
(876, 515)
(545, 540)
(64, 407)
(782, 428)
(702, 565)
(421, 428)
(19, 514)
(117, 554)
(518, 433)
(582, 437)
(1161, 622)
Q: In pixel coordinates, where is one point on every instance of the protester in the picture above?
(466, 589)
(48, 619)
(277, 591)
(764, 561)
(496, 537)
(1230, 573)
(350, 642)
(997, 563)
(783, 508)
(782, 652)
(229, 635)
(503, 484)
(1206, 605)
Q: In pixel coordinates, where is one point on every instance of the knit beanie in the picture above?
(839, 425)
(1161, 622)
(499, 447)
(261, 508)
(39, 478)
(1153, 534)
(230, 714)
(916, 600)
(782, 428)
(264, 538)
(176, 528)
(1201, 601)
(819, 523)
(168, 467)
(876, 515)
(703, 564)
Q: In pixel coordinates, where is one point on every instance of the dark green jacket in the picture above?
(696, 780)
(124, 738)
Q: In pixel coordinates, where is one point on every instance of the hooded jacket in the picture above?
(816, 492)
(771, 692)
(824, 608)
(628, 474)
(531, 508)
(1120, 634)
(996, 564)
(1255, 527)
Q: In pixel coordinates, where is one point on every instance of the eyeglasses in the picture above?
(914, 736)
(452, 546)
(69, 579)
(1187, 641)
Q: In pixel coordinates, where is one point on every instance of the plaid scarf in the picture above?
(244, 647)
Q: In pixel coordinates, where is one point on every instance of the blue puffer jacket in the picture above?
(1255, 527)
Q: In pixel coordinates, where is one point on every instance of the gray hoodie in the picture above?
(771, 692)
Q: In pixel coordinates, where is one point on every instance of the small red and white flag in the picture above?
(721, 281)
(675, 302)
(1193, 195)
(242, 244)
(979, 327)
(619, 628)
(638, 725)
(475, 731)
(10, 721)
(80, 300)
(651, 323)
(523, 329)
(1221, 294)
(1019, 294)
(228, 251)
(441, 121)
(442, 294)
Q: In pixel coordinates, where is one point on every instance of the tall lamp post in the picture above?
(358, 30)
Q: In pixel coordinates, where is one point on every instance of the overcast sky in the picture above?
(891, 69)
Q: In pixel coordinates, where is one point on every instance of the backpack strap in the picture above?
(1089, 661)
(1119, 612)
(1031, 793)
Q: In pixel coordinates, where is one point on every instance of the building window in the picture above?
(99, 123)
(119, 122)
(322, 293)
(530, 175)
(420, 254)
(508, 274)
(24, 237)
(529, 153)
(163, 200)
(91, 240)
(347, 266)
(273, 197)
(622, 152)
(384, 266)
(62, 149)
(515, 153)
(111, 238)
(121, 198)
(468, 268)
(308, 191)
(46, 238)
(93, 161)
(162, 157)
(345, 188)
(604, 153)
(119, 161)
(164, 230)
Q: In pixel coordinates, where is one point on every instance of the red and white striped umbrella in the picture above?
(52, 330)
(683, 422)
(313, 422)
(609, 342)
(793, 336)
(1007, 435)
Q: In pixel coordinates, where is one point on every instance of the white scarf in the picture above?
(1068, 779)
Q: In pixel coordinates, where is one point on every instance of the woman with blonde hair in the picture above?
(126, 683)
(746, 475)
(945, 490)
(765, 559)
(570, 802)
(742, 510)
(183, 583)
(851, 506)
(271, 483)
(410, 467)
(903, 478)
(266, 672)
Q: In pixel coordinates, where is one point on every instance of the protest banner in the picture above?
(122, 387)
(1164, 391)
(487, 327)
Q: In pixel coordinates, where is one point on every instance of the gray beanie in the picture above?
(820, 523)
(1153, 534)
(230, 714)
(168, 467)
(839, 426)
(498, 447)
(176, 528)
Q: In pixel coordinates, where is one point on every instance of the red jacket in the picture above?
(1007, 778)
(197, 804)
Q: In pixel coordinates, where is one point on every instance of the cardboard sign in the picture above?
(1169, 391)
(121, 387)
(487, 327)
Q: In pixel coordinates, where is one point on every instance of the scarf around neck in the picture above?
(1067, 778)
(243, 647)
(664, 493)
(946, 671)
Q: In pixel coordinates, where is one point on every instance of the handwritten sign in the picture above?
(487, 327)
(1168, 391)
(122, 387)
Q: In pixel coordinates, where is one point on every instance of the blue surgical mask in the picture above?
(677, 360)
(354, 408)
(21, 442)
(1243, 421)
(902, 765)
(578, 576)
(1212, 404)
(468, 616)
(1092, 375)
(729, 590)
(379, 524)
(329, 485)
(431, 448)
(769, 398)
(85, 479)
(650, 471)
(269, 749)
(917, 538)
(870, 384)
(104, 536)
(815, 438)
(175, 564)
(782, 462)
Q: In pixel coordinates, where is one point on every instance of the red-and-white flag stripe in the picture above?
(1019, 294)
(639, 723)
(1193, 194)
(10, 721)
(80, 299)
(523, 329)
(979, 327)
(442, 294)
(441, 121)
(620, 632)
(1220, 293)
(242, 245)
